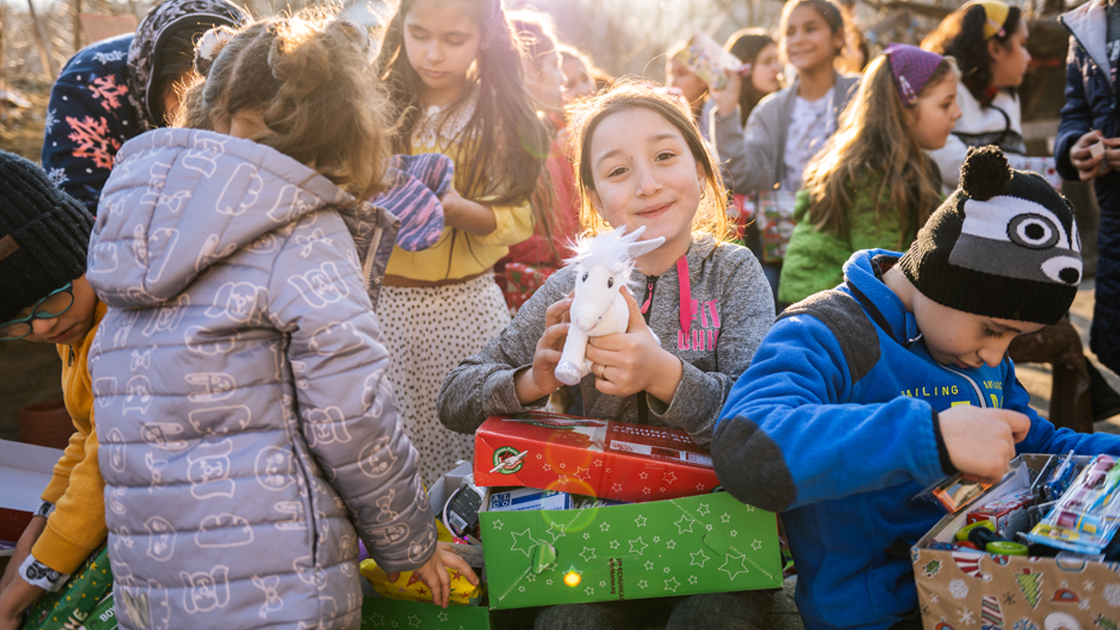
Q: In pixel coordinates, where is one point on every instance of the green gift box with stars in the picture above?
(394, 614)
(710, 543)
(85, 601)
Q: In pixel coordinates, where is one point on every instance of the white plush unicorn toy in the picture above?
(602, 267)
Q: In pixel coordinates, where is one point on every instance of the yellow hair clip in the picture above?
(996, 12)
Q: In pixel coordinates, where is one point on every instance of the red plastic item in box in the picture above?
(601, 458)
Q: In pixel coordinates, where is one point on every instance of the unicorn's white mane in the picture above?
(607, 249)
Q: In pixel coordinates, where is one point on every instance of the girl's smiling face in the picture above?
(645, 174)
(442, 40)
(808, 41)
(935, 112)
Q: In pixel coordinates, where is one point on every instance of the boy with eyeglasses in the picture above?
(44, 297)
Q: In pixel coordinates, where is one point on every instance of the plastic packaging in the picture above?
(409, 586)
(1057, 482)
(1084, 519)
(954, 493)
(1007, 513)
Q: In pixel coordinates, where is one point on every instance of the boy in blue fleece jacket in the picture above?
(862, 396)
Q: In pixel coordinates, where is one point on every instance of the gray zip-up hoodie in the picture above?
(245, 423)
(732, 308)
(754, 157)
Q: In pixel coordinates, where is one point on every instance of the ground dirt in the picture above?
(21, 128)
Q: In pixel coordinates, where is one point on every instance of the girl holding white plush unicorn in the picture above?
(642, 167)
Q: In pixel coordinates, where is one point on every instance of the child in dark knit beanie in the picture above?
(862, 396)
(44, 296)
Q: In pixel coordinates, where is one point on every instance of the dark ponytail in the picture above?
(745, 44)
(961, 36)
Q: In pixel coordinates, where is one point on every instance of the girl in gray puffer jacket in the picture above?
(248, 436)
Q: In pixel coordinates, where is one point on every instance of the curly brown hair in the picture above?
(309, 76)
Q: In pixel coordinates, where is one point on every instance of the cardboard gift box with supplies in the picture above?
(1013, 588)
(86, 601)
(601, 458)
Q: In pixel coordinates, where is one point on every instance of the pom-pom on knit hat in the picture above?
(44, 235)
(912, 67)
(1004, 245)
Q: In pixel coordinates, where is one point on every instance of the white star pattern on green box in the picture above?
(674, 547)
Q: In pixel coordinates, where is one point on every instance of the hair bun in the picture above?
(985, 173)
(305, 58)
(210, 46)
(352, 31)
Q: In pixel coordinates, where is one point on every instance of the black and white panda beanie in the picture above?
(1004, 245)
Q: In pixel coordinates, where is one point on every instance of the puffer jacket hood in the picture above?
(161, 182)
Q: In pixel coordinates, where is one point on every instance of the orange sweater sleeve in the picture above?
(74, 454)
(77, 525)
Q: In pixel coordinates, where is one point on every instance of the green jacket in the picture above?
(814, 258)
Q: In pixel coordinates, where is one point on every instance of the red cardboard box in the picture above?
(602, 458)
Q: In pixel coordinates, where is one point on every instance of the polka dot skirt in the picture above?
(428, 331)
